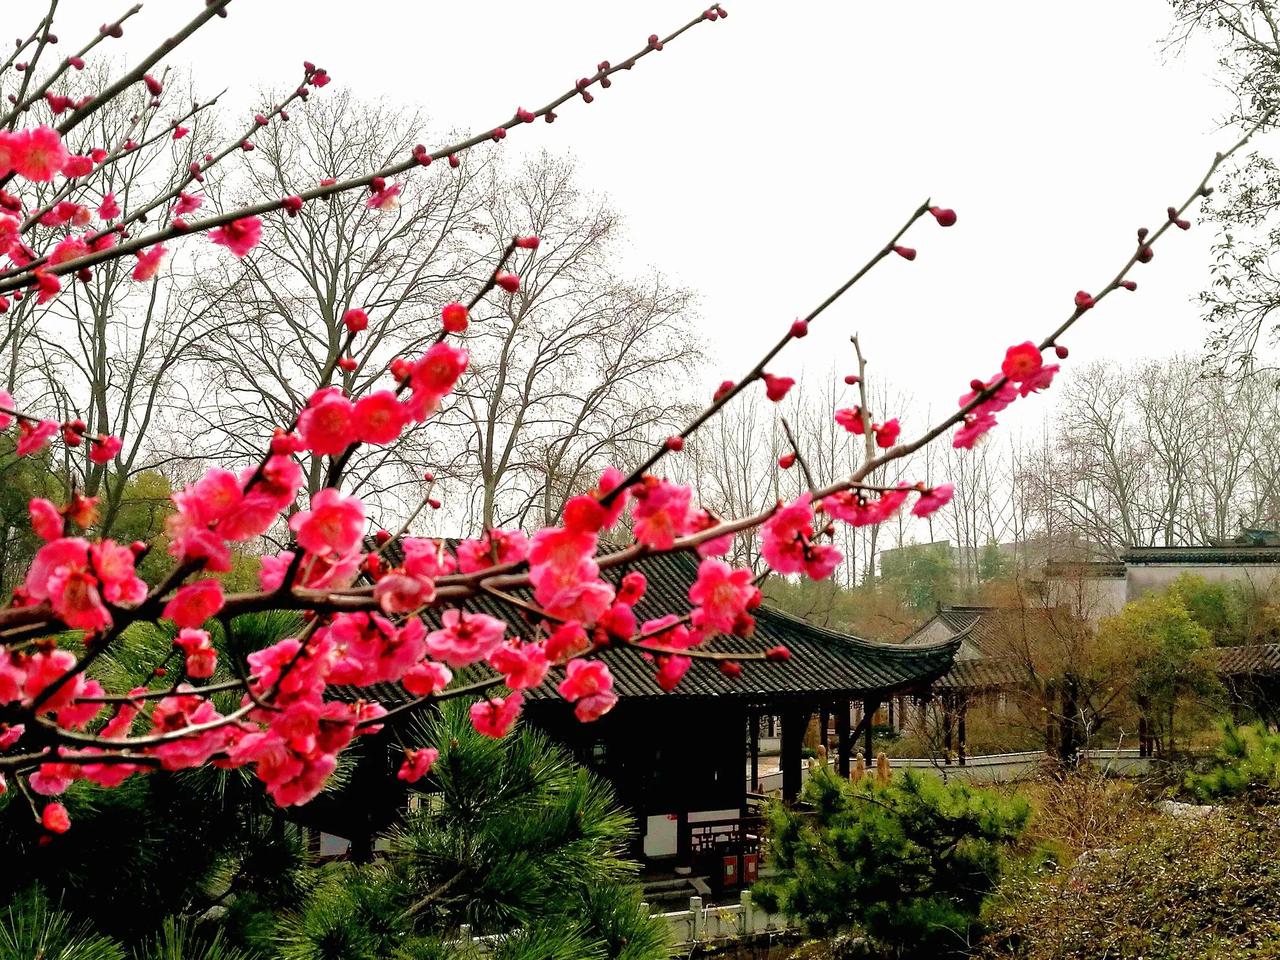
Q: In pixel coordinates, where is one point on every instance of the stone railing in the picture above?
(700, 924)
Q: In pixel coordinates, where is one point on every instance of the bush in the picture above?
(908, 862)
(1246, 764)
(1207, 889)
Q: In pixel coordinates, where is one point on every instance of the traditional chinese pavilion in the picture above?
(684, 761)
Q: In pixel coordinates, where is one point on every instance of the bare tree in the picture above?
(275, 320)
(571, 370)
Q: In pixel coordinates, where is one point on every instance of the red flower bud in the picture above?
(527, 243)
(1129, 285)
(507, 281)
(454, 161)
(348, 364)
(499, 133)
(777, 653)
(113, 30)
(675, 444)
(1142, 234)
(1084, 300)
(906, 253)
(433, 503)
(454, 317)
(1061, 351)
(355, 320)
(429, 477)
(654, 42)
(724, 388)
(381, 537)
(787, 460)
(851, 379)
(523, 115)
(976, 385)
(292, 205)
(77, 62)
(799, 329)
(943, 215)
(377, 184)
(246, 146)
(400, 368)
(260, 120)
(731, 668)
(1145, 255)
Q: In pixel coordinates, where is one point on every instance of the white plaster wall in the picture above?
(1149, 577)
(1088, 598)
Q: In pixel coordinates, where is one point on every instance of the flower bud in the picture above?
(507, 281)
(1084, 300)
(906, 253)
(943, 215)
(454, 317)
(799, 329)
(787, 460)
(355, 320)
(724, 388)
(527, 243)
(1061, 351)
(675, 444)
(1129, 285)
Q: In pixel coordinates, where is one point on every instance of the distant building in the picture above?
(1093, 590)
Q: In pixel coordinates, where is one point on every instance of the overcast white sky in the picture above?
(761, 159)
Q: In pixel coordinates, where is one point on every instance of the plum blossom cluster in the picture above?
(1022, 373)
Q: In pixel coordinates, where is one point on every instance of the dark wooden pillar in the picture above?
(870, 706)
(960, 738)
(946, 729)
(753, 734)
(794, 721)
(844, 738)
